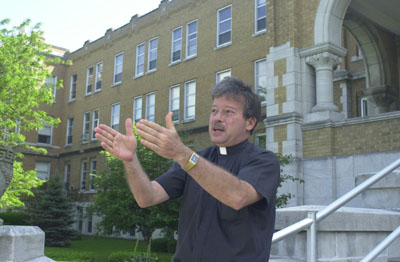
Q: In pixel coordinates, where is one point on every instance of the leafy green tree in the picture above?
(24, 65)
(117, 207)
(52, 211)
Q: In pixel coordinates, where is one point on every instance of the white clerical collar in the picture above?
(222, 150)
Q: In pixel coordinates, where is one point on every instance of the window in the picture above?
(139, 60)
(261, 140)
(99, 76)
(137, 108)
(190, 100)
(80, 218)
(95, 122)
(45, 134)
(222, 74)
(89, 80)
(118, 61)
(260, 78)
(86, 126)
(83, 174)
(150, 106)
(191, 39)
(51, 83)
(72, 90)
(93, 168)
(42, 170)
(70, 125)
(115, 116)
(364, 107)
(152, 65)
(176, 50)
(260, 15)
(174, 102)
(90, 223)
(67, 175)
(224, 26)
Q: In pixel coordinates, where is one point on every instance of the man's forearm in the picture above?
(222, 185)
(147, 193)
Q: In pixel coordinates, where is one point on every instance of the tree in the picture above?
(52, 211)
(118, 209)
(24, 66)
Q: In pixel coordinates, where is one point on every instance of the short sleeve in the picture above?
(262, 171)
(173, 181)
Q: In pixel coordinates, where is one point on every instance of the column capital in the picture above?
(324, 60)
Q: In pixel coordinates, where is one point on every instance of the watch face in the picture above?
(194, 158)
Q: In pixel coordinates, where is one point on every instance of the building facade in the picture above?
(328, 72)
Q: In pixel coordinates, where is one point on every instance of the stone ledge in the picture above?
(344, 219)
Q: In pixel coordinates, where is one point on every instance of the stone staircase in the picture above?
(347, 235)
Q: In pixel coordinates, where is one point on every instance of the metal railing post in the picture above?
(312, 238)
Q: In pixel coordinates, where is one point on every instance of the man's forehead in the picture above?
(228, 101)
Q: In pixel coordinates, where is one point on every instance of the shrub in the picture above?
(165, 245)
(15, 218)
(126, 256)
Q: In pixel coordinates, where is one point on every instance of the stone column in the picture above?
(324, 58)
(324, 64)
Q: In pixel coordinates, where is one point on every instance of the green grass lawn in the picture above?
(98, 249)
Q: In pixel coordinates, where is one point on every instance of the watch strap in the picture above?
(194, 158)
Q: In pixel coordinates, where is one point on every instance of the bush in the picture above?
(165, 245)
(61, 254)
(15, 218)
(124, 256)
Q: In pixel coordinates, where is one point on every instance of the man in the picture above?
(229, 189)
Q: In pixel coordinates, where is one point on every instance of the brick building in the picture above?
(329, 71)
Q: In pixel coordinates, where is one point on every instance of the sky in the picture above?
(69, 23)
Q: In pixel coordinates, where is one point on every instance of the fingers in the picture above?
(168, 122)
(128, 127)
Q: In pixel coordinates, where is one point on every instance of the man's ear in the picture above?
(251, 123)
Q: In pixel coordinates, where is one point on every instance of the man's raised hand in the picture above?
(121, 146)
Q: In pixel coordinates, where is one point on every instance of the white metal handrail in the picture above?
(311, 220)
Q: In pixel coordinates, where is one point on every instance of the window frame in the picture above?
(72, 87)
(84, 166)
(256, 80)
(86, 123)
(135, 108)
(117, 71)
(219, 22)
(151, 51)
(112, 119)
(95, 123)
(99, 75)
(256, 18)
(219, 73)
(51, 134)
(48, 164)
(188, 56)
(69, 133)
(147, 116)
(173, 41)
(89, 80)
(138, 55)
(186, 106)
(92, 171)
(174, 99)
(67, 175)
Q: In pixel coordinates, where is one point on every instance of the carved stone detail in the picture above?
(6, 168)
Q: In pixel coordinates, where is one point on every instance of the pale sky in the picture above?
(69, 23)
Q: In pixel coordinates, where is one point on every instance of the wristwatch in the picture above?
(194, 158)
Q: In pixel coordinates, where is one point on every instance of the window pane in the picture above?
(225, 14)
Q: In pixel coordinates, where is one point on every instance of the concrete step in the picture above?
(285, 259)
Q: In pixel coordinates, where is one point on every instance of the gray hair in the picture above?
(232, 87)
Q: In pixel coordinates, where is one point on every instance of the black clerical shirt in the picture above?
(210, 231)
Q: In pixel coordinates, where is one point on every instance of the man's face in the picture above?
(227, 126)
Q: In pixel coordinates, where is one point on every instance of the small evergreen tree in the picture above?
(52, 211)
